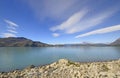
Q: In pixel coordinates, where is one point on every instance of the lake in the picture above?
(12, 58)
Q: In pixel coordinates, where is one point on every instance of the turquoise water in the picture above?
(12, 58)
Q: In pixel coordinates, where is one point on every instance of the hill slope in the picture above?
(20, 42)
(116, 42)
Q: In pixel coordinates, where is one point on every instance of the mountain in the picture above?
(20, 42)
(81, 44)
(24, 42)
(116, 42)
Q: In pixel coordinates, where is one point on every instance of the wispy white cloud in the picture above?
(10, 23)
(8, 35)
(75, 18)
(90, 22)
(55, 9)
(9, 27)
(77, 22)
(12, 31)
(101, 31)
(56, 34)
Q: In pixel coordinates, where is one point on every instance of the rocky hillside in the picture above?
(116, 42)
(68, 69)
(20, 42)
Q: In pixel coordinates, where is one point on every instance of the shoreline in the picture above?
(56, 61)
(109, 68)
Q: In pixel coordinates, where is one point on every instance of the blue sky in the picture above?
(61, 21)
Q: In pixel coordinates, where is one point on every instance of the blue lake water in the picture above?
(12, 58)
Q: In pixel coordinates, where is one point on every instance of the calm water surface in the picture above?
(12, 58)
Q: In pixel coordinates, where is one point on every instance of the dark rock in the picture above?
(31, 66)
(2, 72)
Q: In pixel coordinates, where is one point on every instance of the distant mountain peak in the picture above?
(116, 42)
(118, 39)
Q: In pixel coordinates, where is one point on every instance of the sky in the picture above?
(61, 21)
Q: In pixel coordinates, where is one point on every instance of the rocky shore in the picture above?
(68, 69)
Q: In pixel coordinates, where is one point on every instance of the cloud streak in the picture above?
(101, 31)
(11, 29)
(54, 9)
(78, 22)
(8, 35)
(75, 18)
(10, 23)
(91, 22)
(56, 34)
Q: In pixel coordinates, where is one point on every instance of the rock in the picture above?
(63, 61)
(31, 66)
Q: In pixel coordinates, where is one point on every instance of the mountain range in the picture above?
(24, 42)
(20, 42)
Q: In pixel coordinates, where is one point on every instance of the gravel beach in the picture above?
(68, 69)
